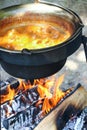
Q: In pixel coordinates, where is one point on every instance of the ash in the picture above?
(77, 122)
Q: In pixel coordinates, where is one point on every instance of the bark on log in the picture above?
(57, 118)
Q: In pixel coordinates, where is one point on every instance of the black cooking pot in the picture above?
(31, 64)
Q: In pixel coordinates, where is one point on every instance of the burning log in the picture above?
(3, 88)
(41, 103)
(20, 102)
(21, 111)
(26, 118)
(11, 88)
(78, 122)
(30, 116)
(14, 83)
(57, 118)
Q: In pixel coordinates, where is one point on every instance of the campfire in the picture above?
(36, 40)
(26, 104)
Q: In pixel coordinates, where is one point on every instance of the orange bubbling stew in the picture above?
(34, 35)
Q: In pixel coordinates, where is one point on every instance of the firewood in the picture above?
(14, 83)
(57, 118)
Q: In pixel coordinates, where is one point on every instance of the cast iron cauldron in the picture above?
(33, 64)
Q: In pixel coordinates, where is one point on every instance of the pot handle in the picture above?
(84, 41)
(26, 51)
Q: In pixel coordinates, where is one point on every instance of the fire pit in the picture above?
(40, 105)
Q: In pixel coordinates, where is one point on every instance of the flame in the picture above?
(23, 86)
(51, 100)
(9, 96)
(43, 92)
(48, 89)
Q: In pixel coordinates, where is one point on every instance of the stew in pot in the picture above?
(34, 36)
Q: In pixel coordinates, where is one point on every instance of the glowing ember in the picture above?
(48, 89)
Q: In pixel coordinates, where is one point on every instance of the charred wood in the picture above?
(25, 111)
(77, 122)
(25, 118)
(3, 88)
(14, 83)
(70, 106)
(20, 102)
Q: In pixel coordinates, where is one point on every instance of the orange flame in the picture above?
(9, 96)
(13, 92)
(51, 100)
(48, 89)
